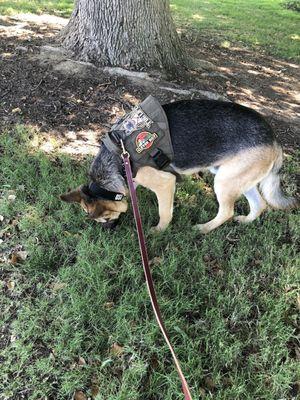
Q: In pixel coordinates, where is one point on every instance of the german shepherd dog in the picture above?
(232, 141)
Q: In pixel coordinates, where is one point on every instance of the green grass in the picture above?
(62, 8)
(260, 24)
(228, 298)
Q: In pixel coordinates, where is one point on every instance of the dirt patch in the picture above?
(77, 107)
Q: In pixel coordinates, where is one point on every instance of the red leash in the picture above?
(147, 271)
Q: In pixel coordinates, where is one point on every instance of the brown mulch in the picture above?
(63, 105)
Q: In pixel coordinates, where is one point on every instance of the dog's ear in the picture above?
(72, 196)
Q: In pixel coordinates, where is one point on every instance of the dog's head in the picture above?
(107, 212)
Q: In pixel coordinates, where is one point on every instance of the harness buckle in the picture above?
(160, 158)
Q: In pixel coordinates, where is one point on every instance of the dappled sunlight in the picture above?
(27, 26)
(295, 37)
(41, 19)
(131, 98)
(80, 143)
(285, 110)
(225, 44)
(84, 142)
(250, 71)
(16, 30)
(269, 85)
(198, 17)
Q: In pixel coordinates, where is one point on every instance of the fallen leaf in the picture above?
(298, 302)
(66, 233)
(94, 389)
(155, 261)
(11, 197)
(81, 361)
(116, 350)
(13, 338)
(11, 285)
(18, 256)
(154, 363)
(22, 255)
(13, 259)
(209, 383)
(58, 286)
(79, 395)
(16, 110)
(73, 366)
(109, 305)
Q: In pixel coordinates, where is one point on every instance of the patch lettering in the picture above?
(145, 140)
(136, 119)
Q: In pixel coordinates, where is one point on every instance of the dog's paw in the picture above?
(202, 228)
(157, 229)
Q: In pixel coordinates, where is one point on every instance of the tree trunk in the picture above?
(128, 33)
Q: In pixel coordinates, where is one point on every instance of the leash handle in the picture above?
(147, 271)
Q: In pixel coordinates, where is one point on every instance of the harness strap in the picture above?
(147, 271)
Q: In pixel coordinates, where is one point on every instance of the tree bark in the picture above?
(129, 33)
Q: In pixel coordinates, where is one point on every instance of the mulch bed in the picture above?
(34, 94)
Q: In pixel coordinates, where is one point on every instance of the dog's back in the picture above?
(205, 131)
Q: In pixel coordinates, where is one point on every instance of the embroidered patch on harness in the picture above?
(136, 119)
(145, 140)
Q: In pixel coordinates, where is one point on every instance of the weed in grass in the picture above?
(228, 298)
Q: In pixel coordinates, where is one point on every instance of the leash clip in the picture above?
(124, 152)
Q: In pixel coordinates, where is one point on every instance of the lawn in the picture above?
(76, 320)
(260, 24)
(76, 313)
(62, 8)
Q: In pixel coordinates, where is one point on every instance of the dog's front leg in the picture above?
(163, 185)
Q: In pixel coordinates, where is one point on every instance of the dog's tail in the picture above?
(271, 189)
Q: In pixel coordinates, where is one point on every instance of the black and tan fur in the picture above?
(233, 142)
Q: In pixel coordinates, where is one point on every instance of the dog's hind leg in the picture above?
(239, 175)
(256, 203)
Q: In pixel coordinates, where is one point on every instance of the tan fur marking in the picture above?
(235, 177)
(163, 185)
(106, 209)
